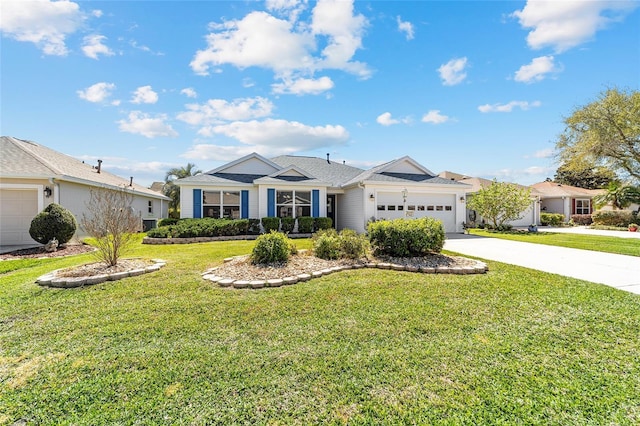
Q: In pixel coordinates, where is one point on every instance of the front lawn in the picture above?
(628, 246)
(513, 346)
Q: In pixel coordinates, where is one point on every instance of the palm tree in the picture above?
(618, 195)
(172, 190)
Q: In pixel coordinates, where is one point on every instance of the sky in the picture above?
(475, 87)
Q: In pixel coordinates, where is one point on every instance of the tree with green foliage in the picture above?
(172, 190)
(501, 202)
(618, 195)
(54, 222)
(604, 132)
(585, 176)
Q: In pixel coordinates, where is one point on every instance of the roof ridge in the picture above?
(36, 157)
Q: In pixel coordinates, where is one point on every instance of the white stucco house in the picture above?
(565, 199)
(256, 187)
(32, 176)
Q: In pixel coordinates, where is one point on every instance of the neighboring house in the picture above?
(565, 199)
(257, 187)
(32, 176)
(529, 217)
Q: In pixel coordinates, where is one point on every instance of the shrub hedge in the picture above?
(618, 218)
(406, 237)
(551, 219)
(287, 224)
(305, 224)
(168, 221)
(206, 227)
(581, 219)
(270, 224)
(321, 223)
(53, 222)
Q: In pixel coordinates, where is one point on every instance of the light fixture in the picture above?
(404, 194)
(47, 192)
(462, 199)
(371, 196)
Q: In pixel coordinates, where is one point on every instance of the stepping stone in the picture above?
(225, 282)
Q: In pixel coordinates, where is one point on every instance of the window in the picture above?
(447, 208)
(221, 204)
(293, 203)
(400, 208)
(430, 208)
(382, 207)
(438, 208)
(391, 208)
(411, 208)
(420, 208)
(150, 206)
(583, 206)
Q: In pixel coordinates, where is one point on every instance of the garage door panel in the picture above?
(17, 209)
(437, 206)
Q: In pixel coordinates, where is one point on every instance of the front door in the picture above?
(331, 208)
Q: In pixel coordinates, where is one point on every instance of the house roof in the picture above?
(27, 159)
(478, 183)
(331, 172)
(554, 189)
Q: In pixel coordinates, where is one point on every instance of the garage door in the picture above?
(17, 208)
(442, 207)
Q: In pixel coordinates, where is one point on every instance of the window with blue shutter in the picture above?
(315, 203)
(271, 202)
(197, 203)
(244, 204)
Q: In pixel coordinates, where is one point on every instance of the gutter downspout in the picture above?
(56, 190)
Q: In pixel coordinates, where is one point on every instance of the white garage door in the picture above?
(17, 208)
(443, 207)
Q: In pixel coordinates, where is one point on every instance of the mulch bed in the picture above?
(39, 252)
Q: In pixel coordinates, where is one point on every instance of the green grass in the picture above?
(513, 346)
(616, 245)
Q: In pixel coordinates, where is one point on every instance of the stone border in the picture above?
(478, 268)
(52, 280)
(150, 240)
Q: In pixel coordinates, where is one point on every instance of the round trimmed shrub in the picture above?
(287, 224)
(53, 222)
(270, 224)
(274, 247)
(326, 244)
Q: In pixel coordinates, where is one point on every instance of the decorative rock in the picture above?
(275, 282)
(411, 268)
(257, 284)
(396, 267)
(337, 269)
(384, 265)
(372, 265)
(290, 280)
(442, 270)
(97, 279)
(304, 277)
(327, 271)
(226, 282)
(359, 266)
(241, 284)
(45, 279)
(228, 259)
(316, 274)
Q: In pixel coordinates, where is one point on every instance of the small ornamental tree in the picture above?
(53, 222)
(112, 222)
(501, 202)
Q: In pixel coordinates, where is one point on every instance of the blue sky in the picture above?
(478, 88)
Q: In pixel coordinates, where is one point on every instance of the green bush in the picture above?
(581, 219)
(287, 224)
(160, 232)
(352, 244)
(168, 221)
(326, 244)
(274, 247)
(254, 227)
(205, 227)
(53, 222)
(551, 219)
(619, 218)
(270, 224)
(406, 237)
(305, 224)
(321, 223)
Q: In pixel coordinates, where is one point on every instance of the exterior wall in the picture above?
(186, 201)
(252, 166)
(351, 212)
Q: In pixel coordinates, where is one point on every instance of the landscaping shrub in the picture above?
(271, 248)
(53, 222)
(287, 224)
(270, 224)
(326, 244)
(205, 227)
(160, 232)
(406, 237)
(320, 223)
(551, 219)
(581, 219)
(352, 244)
(254, 227)
(168, 221)
(305, 224)
(618, 218)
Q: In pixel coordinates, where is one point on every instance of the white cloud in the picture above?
(144, 95)
(97, 13)
(303, 86)
(523, 105)
(143, 124)
(536, 70)
(93, 46)
(566, 24)
(452, 72)
(386, 120)
(217, 111)
(525, 176)
(44, 23)
(97, 93)
(189, 92)
(287, 47)
(434, 117)
(544, 153)
(405, 27)
(289, 8)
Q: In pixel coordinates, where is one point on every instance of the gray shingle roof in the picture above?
(332, 172)
(26, 159)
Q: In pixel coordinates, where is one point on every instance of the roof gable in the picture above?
(406, 165)
(252, 164)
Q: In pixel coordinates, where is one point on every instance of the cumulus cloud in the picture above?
(536, 70)
(303, 86)
(146, 125)
(386, 120)
(289, 8)
(405, 27)
(144, 95)
(97, 93)
(566, 24)
(189, 92)
(93, 46)
(218, 111)
(523, 105)
(434, 117)
(453, 72)
(43, 23)
(544, 153)
(287, 47)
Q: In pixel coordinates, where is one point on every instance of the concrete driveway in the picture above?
(614, 270)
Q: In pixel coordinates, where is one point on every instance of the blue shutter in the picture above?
(244, 204)
(271, 202)
(315, 203)
(197, 203)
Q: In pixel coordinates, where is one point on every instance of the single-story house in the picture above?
(565, 199)
(32, 176)
(291, 186)
(529, 217)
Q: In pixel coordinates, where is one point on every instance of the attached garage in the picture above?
(17, 208)
(391, 205)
